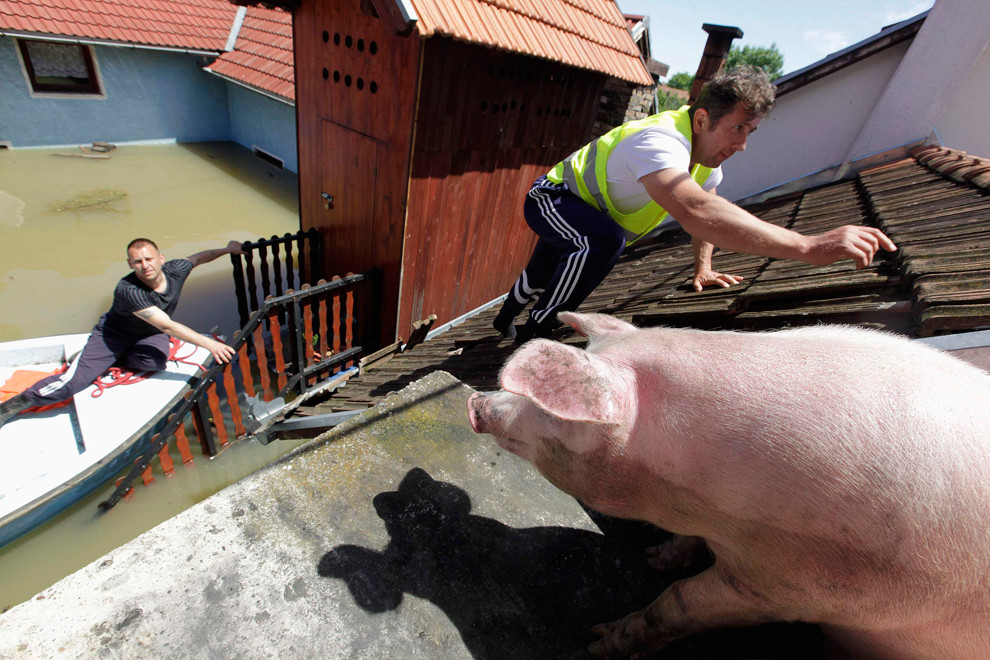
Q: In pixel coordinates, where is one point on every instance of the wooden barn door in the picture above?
(348, 177)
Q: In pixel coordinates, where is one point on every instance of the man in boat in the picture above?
(134, 333)
(628, 183)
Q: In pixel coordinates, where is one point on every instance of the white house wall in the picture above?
(812, 128)
(149, 95)
(925, 87)
(963, 126)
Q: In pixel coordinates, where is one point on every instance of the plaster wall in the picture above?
(963, 126)
(933, 73)
(148, 95)
(811, 128)
(259, 121)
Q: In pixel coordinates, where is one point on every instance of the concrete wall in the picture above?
(811, 128)
(149, 95)
(260, 121)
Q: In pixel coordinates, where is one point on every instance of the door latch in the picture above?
(327, 200)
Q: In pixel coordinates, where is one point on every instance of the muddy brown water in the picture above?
(64, 224)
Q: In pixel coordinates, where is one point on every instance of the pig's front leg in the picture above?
(704, 601)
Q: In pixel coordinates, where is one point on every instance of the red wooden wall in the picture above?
(427, 169)
(489, 123)
(355, 91)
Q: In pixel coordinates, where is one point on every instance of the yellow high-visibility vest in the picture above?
(584, 172)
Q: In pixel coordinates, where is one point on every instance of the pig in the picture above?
(838, 475)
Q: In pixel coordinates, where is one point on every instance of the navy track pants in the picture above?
(578, 246)
(103, 350)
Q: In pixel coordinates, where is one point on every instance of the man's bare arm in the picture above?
(158, 318)
(720, 222)
(206, 256)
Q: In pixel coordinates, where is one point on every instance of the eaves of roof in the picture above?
(889, 36)
(197, 25)
(262, 58)
(934, 205)
(588, 34)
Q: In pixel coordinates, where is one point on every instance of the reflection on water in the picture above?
(64, 224)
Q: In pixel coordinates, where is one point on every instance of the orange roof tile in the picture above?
(262, 57)
(588, 34)
(187, 24)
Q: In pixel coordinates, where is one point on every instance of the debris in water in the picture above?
(101, 199)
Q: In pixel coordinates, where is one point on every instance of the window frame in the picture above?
(93, 89)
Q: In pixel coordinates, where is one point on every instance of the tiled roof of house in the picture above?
(935, 206)
(588, 34)
(188, 24)
(262, 57)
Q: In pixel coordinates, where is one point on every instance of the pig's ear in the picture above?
(595, 326)
(564, 381)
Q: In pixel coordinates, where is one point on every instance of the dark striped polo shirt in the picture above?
(133, 295)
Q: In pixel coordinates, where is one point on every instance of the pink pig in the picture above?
(839, 476)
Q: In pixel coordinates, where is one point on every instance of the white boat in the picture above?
(49, 460)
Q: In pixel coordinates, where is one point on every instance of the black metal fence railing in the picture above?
(272, 266)
(291, 344)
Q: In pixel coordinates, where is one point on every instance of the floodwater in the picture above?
(64, 224)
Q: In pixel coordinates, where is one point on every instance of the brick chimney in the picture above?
(719, 39)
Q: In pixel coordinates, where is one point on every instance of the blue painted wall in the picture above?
(259, 121)
(150, 95)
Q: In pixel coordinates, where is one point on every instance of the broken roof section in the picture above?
(587, 34)
(934, 205)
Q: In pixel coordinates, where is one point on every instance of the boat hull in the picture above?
(50, 460)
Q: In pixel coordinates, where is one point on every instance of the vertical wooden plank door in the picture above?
(348, 175)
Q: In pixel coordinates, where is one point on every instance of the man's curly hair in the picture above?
(742, 84)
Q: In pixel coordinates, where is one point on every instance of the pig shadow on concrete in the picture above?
(530, 593)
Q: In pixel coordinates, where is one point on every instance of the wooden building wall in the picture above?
(489, 123)
(355, 105)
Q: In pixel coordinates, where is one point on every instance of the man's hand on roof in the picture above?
(847, 242)
(710, 277)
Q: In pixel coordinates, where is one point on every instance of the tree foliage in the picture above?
(681, 80)
(767, 58)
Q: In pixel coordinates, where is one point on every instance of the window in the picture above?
(59, 68)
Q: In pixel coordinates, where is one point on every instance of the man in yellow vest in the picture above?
(623, 186)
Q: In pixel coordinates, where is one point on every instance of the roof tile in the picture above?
(193, 24)
(588, 34)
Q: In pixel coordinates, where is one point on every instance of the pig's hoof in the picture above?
(626, 638)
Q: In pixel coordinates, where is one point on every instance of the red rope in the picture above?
(116, 376)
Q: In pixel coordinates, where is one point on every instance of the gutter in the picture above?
(256, 90)
(97, 42)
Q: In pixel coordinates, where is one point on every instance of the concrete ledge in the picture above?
(400, 534)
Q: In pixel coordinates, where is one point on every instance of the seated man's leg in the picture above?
(98, 355)
(147, 354)
(587, 243)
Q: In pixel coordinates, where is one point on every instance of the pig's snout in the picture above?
(477, 414)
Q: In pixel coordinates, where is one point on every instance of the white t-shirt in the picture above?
(647, 151)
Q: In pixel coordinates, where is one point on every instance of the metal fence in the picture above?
(272, 266)
(291, 345)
